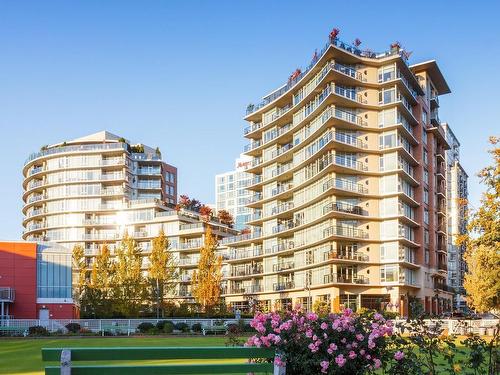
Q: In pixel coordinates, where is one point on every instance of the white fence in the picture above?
(98, 325)
(459, 327)
(453, 326)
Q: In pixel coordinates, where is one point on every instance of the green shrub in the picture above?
(38, 331)
(168, 327)
(181, 326)
(145, 327)
(73, 327)
(196, 327)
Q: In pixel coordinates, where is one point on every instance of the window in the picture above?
(426, 157)
(424, 117)
(53, 275)
(426, 237)
(426, 196)
(387, 117)
(387, 140)
(386, 96)
(387, 73)
(389, 273)
(427, 256)
(426, 176)
(426, 216)
(424, 136)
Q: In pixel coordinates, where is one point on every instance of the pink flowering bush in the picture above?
(336, 344)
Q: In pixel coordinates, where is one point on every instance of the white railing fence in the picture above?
(458, 327)
(98, 325)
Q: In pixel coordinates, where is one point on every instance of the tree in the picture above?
(162, 271)
(80, 271)
(483, 250)
(225, 218)
(208, 277)
(128, 283)
(205, 213)
(102, 281)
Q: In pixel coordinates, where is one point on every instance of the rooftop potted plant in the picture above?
(333, 34)
(395, 47)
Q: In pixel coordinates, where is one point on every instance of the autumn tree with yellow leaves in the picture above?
(208, 276)
(162, 272)
(482, 281)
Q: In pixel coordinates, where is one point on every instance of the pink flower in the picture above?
(352, 355)
(377, 316)
(359, 337)
(399, 355)
(324, 326)
(340, 360)
(377, 363)
(324, 366)
(278, 362)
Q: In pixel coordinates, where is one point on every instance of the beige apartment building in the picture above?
(349, 188)
(92, 190)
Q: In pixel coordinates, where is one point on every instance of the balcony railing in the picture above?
(241, 237)
(284, 266)
(253, 127)
(77, 148)
(342, 184)
(333, 254)
(278, 287)
(343, 207)
(335, 278)
(281, 189)
(246, 270)
(282, 208)
(338, 44)
(343, 231)
(350, 163)
(7, 294)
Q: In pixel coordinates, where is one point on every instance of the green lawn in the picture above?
(23, 355)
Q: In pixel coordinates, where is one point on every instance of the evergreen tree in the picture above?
(207, 279)
(162, 272)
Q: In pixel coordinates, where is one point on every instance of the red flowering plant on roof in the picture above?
(357, 42)
(337, 344)
(333, 34)
(205, 212)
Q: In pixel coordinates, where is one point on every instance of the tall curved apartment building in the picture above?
(74, 190)
(349, 188)
(93, 190)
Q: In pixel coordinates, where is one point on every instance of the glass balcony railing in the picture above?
(342, 184)
(335, 278)
(344, 208)
(278, 287)
(345, 231)
(77, 148)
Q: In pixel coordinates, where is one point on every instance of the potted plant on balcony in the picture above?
(205, 213)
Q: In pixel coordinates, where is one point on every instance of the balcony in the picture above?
(282, 208)
(284, 246)
(149, 171)
(7, 294)
(77, 148)
(283, 266)
(281, 189)
(349, 94)
(285, 226)
(241, 237)
(349, 117)
(435, 118)
(335, 278)
(343, 207)
(350, 163)
(355, 256)
(344, 231)
(246, 270)
(348, 71)
(253, 127)
(248, 253)
(346, 185)
(253, 289)
(281, 286)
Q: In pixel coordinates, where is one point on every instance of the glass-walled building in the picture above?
(231, 193)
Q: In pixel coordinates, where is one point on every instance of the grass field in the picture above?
(23, 356)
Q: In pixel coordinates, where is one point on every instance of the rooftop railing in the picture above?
(76, 148)
(348, 47)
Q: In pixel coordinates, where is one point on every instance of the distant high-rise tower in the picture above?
(231, 193)
(457, 222)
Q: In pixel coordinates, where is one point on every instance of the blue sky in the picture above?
(179, 74)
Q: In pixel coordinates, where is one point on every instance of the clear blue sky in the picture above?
(179, 74)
